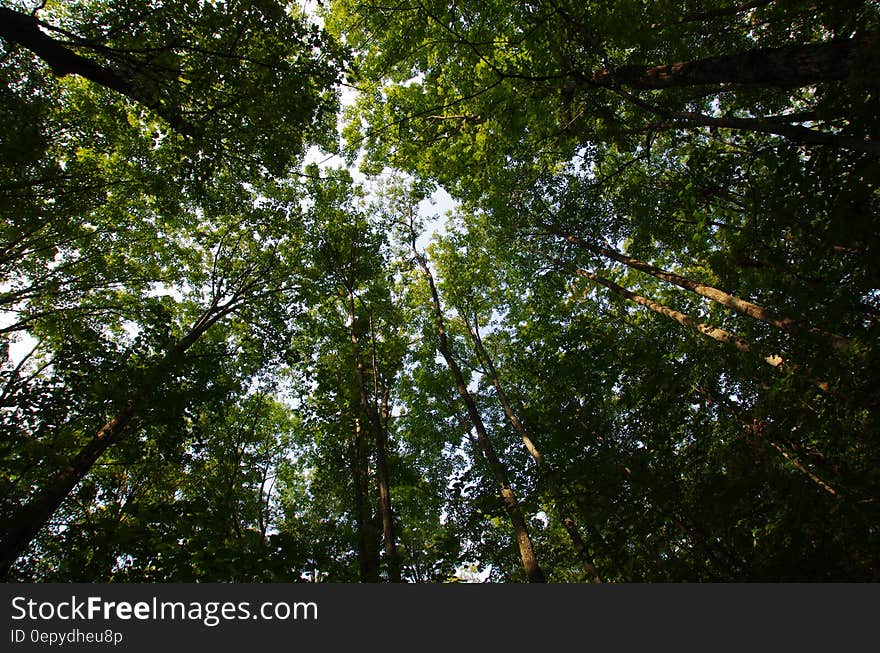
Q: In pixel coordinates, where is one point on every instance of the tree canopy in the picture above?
(640, 344)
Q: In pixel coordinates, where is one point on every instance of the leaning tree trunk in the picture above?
(707, 330)
(717, 295)
(546, 474)
(508, 497)
(29, 519)
(789, 66)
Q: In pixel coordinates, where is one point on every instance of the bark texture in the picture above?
(24, 30)
(785, 67)
(508, 497)
(545, 472)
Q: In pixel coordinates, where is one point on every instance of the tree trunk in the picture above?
(33, 516)
(508, 497)
(685, 320)
(27, 521)
(793, 132)
(378, 424)
(784, 125)
(385, 509)
(24, 30)
(732, 302)
(367, 538)
(785, 67)
(543, 469)
(708, 330)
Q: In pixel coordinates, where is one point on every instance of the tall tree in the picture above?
(651, 307)
(238, 275)
(361, 349)
(511, 504)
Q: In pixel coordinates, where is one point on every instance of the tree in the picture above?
(142, 239)
(243, 83)
(640, 346)
(508, 497)
(360, 353)
(240, 274)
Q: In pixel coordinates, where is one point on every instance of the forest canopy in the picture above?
(241, 346)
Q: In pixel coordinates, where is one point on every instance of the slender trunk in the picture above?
(544, 471)
(708, 330)
(507, 495)
(795, 133)
(367, 538)
(781, 125)
(783, 67)
(24, 30)
(385, 509)
(804, 470)
(378, 424)
(732, 302)
(685, 320)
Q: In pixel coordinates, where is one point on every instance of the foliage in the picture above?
(658, 282)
